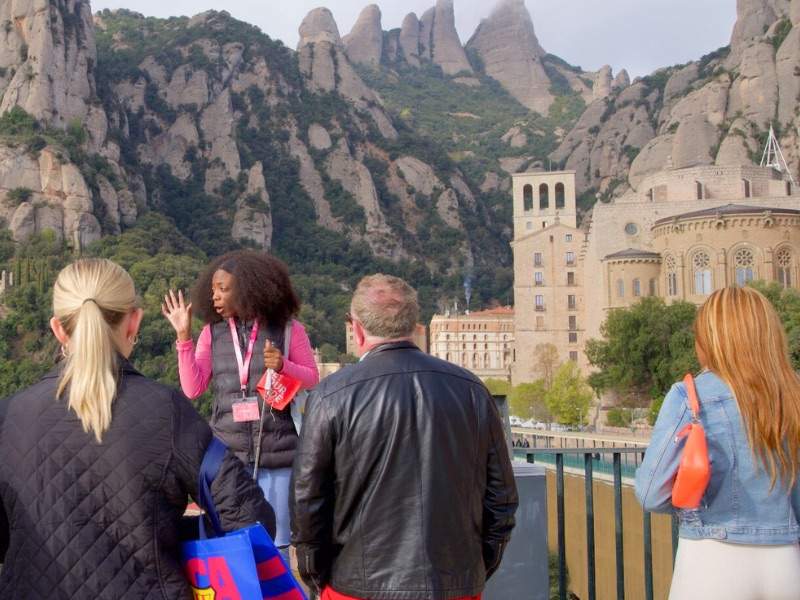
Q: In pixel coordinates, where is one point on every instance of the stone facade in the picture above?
(547, 270)
(482, 342)
(680, 235)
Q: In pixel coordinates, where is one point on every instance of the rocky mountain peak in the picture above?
(511, 54)
(47, 59)
(602, 83)
(327, 67)
(364, 44)
(319, 26)
(447, 51)
(409, 39)
(621, 81)
(753, 19)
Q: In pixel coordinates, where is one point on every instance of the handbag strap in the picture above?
(691, 389)
(212, 461)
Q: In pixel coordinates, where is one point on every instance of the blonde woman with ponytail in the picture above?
(742, 542)
(97, 462)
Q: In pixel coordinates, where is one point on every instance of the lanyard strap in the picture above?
(244, 365)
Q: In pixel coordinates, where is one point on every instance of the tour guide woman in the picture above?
(742, 542)
(97, 461)
(247, 302)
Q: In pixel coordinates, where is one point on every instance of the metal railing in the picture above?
(590, 455)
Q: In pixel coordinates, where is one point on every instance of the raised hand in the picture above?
(179, 315)
(273, 359)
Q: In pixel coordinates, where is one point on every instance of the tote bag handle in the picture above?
(212, 461)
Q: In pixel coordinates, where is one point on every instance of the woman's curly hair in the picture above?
(261, 288)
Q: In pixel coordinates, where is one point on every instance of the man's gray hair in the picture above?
(386, 306)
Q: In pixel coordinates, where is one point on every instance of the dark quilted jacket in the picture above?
(101, 521)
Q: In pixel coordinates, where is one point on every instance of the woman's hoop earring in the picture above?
(64, 352)
(134, 340)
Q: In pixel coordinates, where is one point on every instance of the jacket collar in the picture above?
(124, 367)
(389, 346)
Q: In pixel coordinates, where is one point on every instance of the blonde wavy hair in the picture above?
(90, 299)
(745, 344)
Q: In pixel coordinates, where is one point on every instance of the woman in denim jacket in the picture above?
(742, 542)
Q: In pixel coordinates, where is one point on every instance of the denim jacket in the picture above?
(738, 505)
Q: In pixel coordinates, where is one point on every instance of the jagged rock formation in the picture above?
(754, 18)
(410, 39)
(602, 83)
(46, 59)
(364, 44)
(710, 111)
(511, 54)
(324, 62)
(59, 198)
(621, 81)
(439, 39)
(253, 220)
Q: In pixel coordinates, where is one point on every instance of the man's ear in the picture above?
(359, 335)
(59, 331)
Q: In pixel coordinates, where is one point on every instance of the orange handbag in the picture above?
(694, 471)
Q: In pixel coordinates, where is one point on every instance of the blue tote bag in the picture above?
(240, 565)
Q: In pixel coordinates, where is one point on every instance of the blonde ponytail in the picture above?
(90, 298)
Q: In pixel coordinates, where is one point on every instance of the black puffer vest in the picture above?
(278, 438)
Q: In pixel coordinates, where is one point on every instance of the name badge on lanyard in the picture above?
(246, 409)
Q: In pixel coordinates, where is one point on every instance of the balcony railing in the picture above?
(591, 458)
(540, 308)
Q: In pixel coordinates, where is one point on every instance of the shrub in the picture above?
(19, 195)
(781, 31)
(619, 417)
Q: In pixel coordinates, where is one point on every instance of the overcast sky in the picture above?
(639, 35)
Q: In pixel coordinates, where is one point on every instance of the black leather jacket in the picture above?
(402, 484)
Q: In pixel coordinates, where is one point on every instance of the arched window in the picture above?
(701, 265)
(747, 190)
(475, 361)
(653, 290)
(527, 197)
(447, 357)
(486, 362)
(544, 196)
(560, 195)
(672, 276)
(637, 287)
(620, 288)
(783, 263)
(744, 264)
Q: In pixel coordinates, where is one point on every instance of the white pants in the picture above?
(714, 570)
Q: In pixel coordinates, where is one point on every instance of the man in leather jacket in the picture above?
(402, 484)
